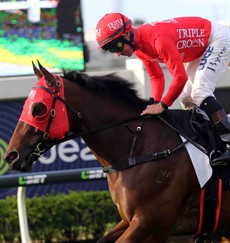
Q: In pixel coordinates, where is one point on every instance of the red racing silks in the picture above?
(60, 124)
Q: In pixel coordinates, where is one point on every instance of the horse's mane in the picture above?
(109, 84)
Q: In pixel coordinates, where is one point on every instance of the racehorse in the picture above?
(156, 198)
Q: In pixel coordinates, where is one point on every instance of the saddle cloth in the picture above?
(200, 163)
(195, 127)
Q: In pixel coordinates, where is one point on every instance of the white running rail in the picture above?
(23, 180)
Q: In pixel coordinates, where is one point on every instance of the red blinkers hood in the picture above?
(59, 125)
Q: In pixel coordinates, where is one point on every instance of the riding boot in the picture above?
(221, 122)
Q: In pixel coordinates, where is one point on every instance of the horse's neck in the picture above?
(110, 144)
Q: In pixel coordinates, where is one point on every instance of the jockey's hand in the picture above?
(153, 109)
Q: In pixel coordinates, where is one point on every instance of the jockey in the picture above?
(203, 45)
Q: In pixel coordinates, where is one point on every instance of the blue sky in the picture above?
(152, 10)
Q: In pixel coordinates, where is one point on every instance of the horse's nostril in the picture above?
(12, 157)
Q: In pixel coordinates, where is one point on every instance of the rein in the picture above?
(43, 146)
(98, 129)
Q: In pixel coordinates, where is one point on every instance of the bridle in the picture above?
(46, 143)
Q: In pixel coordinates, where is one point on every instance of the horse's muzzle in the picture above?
(12, 158)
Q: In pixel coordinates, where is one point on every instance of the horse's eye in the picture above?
(38, 109)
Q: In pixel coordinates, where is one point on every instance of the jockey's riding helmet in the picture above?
(111, 27)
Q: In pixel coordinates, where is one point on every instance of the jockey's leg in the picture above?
(221, 121)
(213, 64)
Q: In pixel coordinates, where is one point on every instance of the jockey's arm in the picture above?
(173, 60)
(156, 77)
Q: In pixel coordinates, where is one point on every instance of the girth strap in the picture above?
(132, 161)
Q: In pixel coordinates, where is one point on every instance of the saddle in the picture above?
(197, 128)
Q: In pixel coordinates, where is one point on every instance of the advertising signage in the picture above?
(72, 154)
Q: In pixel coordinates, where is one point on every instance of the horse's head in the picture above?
(43, 119)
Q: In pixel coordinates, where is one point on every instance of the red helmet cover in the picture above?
(111, 26)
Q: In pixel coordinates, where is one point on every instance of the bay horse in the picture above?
(155, 199)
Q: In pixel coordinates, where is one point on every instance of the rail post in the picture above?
(22, 215)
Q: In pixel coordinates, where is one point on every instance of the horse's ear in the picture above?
(37, 72)
(49, 78)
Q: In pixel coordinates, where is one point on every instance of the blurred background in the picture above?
(66, 29)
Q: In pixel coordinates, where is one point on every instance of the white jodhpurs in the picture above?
(204, 72)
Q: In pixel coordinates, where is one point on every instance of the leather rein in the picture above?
(46, 143)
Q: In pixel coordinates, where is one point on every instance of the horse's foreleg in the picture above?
(135, 233)
(115, 233)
